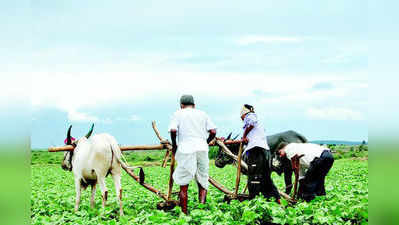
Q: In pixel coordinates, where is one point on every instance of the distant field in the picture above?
(53, 194)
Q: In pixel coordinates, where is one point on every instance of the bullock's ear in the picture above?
(90, 131)
(229, 136)
(236, 136)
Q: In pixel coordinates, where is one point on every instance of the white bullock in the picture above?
(91, 161)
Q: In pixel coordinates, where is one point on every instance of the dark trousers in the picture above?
(259, 173)
(313, 183)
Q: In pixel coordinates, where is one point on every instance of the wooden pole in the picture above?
(296, 183)
(61, 148)
(227, 142)
(172, 169)
(287, 197)
(230, 154)
(163, 141)
(123, 148)
(165, 159)
(167, 144)
(154, 127)
(245, 189)
(146, 147)
(238, 171)
(142, 147)
(219, 186)
(137, 178)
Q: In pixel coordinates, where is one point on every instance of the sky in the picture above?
(303, 65)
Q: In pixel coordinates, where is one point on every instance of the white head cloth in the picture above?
(244, 110)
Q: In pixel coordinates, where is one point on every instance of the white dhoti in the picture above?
(192, 165)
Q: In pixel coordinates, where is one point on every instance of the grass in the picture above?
(53, 197)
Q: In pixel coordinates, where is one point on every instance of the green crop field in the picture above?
(53, 198)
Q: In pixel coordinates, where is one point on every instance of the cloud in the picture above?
(322, 86)
(255, 39)
(133, 85)
(76, 116)
(334, 114)
(340, 58)
(320, 90)
(134, 118)
(81, 117)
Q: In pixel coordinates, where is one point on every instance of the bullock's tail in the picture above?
(118, 155)
(126, 166)
(117, 152)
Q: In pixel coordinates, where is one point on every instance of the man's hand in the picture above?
(245, 140)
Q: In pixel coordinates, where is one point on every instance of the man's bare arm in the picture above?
(246, 132)
(173, 134)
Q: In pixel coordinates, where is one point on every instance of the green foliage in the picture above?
(359, 152)
(53, 197)
(213, 151)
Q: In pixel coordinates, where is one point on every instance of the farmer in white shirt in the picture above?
(195, 130)
(257, 156)
(314, 166)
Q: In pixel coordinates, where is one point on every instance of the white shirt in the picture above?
(192, 127)
(257, 136)
(310, 151)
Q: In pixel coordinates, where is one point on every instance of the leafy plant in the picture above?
(53, 197)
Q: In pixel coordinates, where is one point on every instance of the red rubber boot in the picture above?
(183, 198)
(201, 194)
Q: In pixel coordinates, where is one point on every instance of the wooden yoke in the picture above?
(61, 149)
(123, 148)
(167, 144)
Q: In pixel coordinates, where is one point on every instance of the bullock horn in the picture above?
(229, 136)
(90, 131)
(236, 136)
(69, 141)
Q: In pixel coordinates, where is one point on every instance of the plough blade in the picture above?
(167, 205)
(141, 176)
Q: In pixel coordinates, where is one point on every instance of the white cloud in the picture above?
(81, 117)
(76, 116)
(71, 91)
(106, 121)
(134, 118)
(334, 114)
(253, 39)
(304, 93)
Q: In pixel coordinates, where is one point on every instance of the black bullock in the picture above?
(283, 165)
